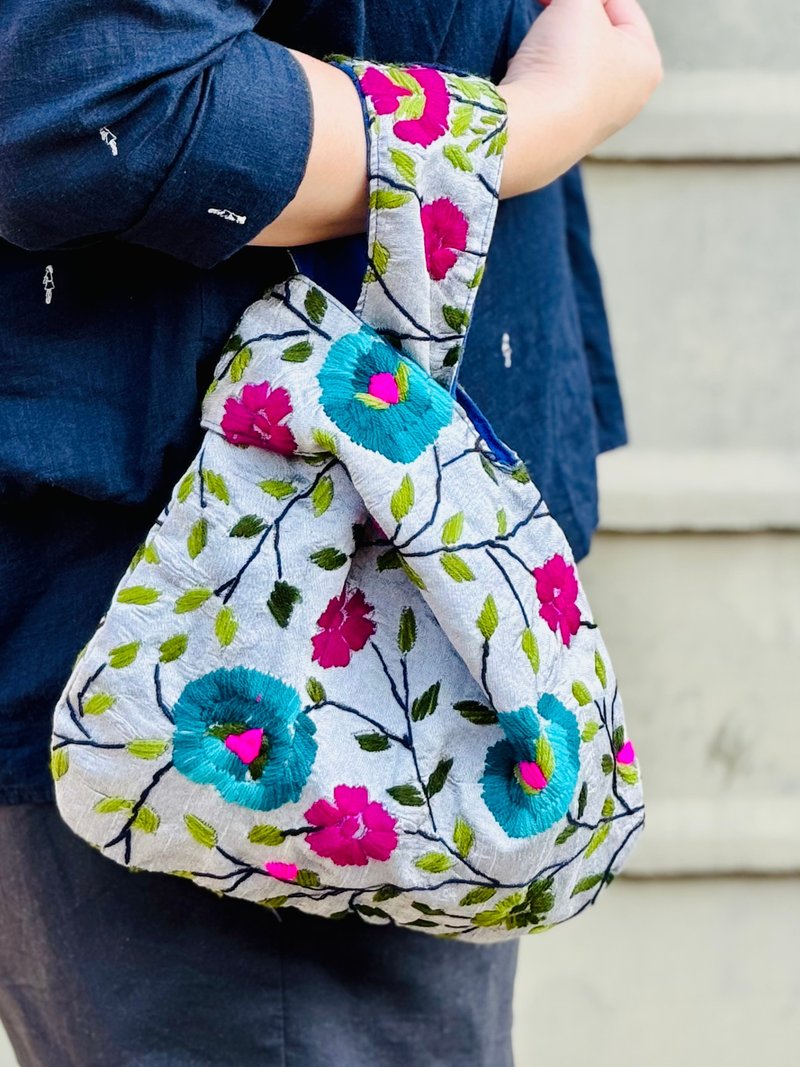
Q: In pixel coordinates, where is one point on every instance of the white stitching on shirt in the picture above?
(229, 216)
(109, 139)
(505, 347)
(48, 283)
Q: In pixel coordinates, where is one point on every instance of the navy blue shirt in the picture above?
(142, 145)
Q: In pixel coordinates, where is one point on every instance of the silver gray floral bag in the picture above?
(352, 668)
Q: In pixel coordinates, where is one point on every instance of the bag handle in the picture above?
(435, 154)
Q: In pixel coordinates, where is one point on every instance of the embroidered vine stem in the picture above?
(125, 832)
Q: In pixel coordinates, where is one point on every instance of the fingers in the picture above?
(627, 14)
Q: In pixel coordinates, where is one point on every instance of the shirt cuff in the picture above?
(241, 163)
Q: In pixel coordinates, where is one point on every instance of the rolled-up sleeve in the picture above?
(168, 123)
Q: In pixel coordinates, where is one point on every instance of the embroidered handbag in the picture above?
(352, 668)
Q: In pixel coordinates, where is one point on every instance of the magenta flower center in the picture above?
(247, 745)
(352, 826)
(384, 387)
(529, 774)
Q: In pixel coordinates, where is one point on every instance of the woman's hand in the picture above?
(583, 71)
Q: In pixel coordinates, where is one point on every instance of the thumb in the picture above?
(627, 14)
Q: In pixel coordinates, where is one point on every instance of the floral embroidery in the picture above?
(445, 228)
(353, 829)
(255, 418)
(626, 754)
(244, 733)
(284, 872)
(345, 628)
(398, 421)
(421, 103)
(529, 778)
(557, 589)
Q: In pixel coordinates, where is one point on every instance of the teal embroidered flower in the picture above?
(246, 734)
(381, 399)
(529, 777)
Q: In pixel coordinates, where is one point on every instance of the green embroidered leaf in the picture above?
(191, 600)
(316, 305)
(380, 257)
(434, 862)
(138, 594)
(248, 526)
(438, 777)
(146, 821)
(597, 838)
(608, 807)
(453, 528)
(225, 627)
(109, 805)
(146, 749)
(373, 742)
(325, 440)
(500, 912)
(240, 363)
(581, 693)
(151, 555)
(59, 763)
(233, 344)
(197, 539)
(590, 731)
(266, 835)
(583, 796)
(476, 713)
(600, 669)
(456, 318)
(401, 377)
(316, 691)
(412, 575)
(216, 485)
(585, 884)
(498, 143)
(386, 892)
(618, 738)
(530, 647)
(403, 78)
(212, 388)
(426, 909)
(281, 602)
(307, 879)
(123, 655)
(488, 620)
(389, 561)
(387, 198)
(98, 703)
(488, 469)
(185, 487)
(407, 795)
(480, 895)
(402, 499)
(277, 488)
(273, 902)
(466, 87)
(299, 352)
(329, 559)
(454, 566)
(502, 523)
(138, 555)
(322, 496)
(463, 838)
(545, 757)
(462, 117)
(566, 834)
(607, 763)
(410, 107)
(520, 474)
(452, 356)
(201, 831)
(628, 774)
(456, 155)
(426, 704)
(373, 402)
(404, 165)
(173, 648)
(476, 143)
(476, 278)
(407, 631)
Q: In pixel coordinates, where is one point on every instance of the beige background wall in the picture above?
(696, 575)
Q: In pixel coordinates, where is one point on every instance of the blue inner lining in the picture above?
(500, 450)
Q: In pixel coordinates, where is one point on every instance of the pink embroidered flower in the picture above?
(444, 227)
(345, 627)
(385, 95)
(255, 417)
(285, 872)
(557, 589)
(626, 754)
(353, 829)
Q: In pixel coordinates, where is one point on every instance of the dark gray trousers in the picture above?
(101, 967)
